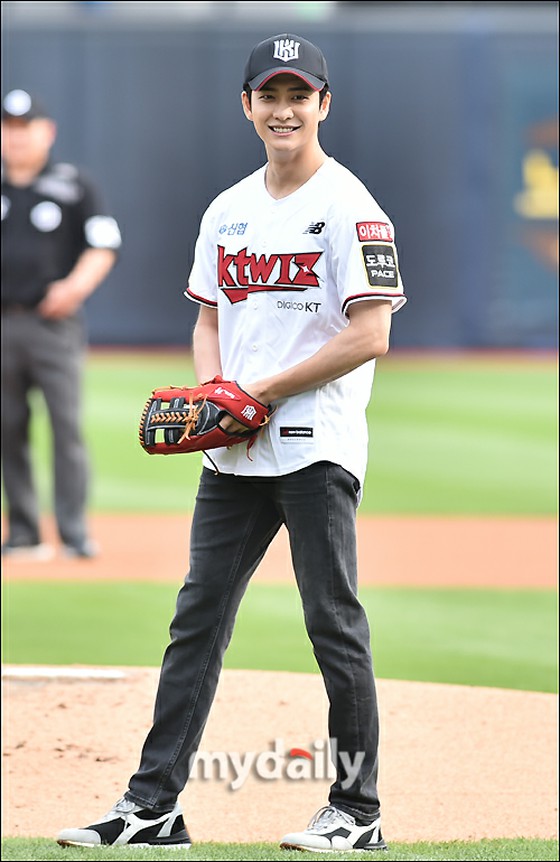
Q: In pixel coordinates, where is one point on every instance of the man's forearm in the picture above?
(364, 339)
(92, 267)
(64, 297)
(206, 351)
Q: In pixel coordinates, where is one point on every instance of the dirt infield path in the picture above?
(457, 762)
(393, 551)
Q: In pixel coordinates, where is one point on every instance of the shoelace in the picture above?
(124, 806)
(326, 815)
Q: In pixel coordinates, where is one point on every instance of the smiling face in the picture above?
(286, 114)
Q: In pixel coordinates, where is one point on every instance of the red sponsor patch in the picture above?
(379, 230)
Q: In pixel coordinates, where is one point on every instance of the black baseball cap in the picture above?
(286, 53)
(21, 105)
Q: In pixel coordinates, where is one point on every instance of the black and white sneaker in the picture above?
(333, 830)
(86, 550)
(127, 823)
(37, 553)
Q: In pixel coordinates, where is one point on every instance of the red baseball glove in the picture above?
(189, 417)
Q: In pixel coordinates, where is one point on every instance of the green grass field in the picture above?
(446, 436)
(495, 851)
(504, 639)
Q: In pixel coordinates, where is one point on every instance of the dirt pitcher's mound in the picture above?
(456, 762)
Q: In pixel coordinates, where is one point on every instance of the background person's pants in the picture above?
(47, 355)
(234, 521)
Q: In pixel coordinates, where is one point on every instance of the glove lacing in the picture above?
(192, 418)
(191, 422)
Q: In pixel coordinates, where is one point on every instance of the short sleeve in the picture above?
(202, 283)
(365, 255)
(100, 229)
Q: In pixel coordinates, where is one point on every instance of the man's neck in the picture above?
(22, 175)
(283, 177)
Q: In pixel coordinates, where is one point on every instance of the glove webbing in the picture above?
(189, 417)
(192, 418)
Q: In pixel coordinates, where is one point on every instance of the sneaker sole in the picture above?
(132, 846)
(39, 554)
(73, 554)
(302, 848)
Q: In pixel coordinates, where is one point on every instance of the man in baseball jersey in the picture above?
(297, 277)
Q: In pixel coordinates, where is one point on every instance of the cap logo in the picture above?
(286, 50)
(17, 103)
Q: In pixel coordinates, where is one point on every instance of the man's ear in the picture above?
(325, 107)
(49, 130)
(246, 102)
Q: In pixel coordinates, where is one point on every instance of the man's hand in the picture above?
(189, 417)
(229, 423)
(64, 297)
(62, 300)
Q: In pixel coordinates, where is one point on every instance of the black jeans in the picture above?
(234, 521)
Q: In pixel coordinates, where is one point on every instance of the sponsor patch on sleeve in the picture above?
(374, 230)
(381, 265)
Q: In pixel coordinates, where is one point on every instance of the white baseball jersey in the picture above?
(282, 274)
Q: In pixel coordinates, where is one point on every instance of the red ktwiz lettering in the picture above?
(242, 273)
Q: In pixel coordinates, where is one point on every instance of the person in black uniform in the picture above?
(58, 246)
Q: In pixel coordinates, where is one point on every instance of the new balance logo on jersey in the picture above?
(286, 50)
(315, 227)
(292, 434)
(242, 273)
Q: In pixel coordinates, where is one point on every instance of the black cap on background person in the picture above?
(21, 105)
(286, 53)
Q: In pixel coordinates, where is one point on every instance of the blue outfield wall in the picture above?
(454, 130)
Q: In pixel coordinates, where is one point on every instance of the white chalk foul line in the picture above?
(40, 672)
